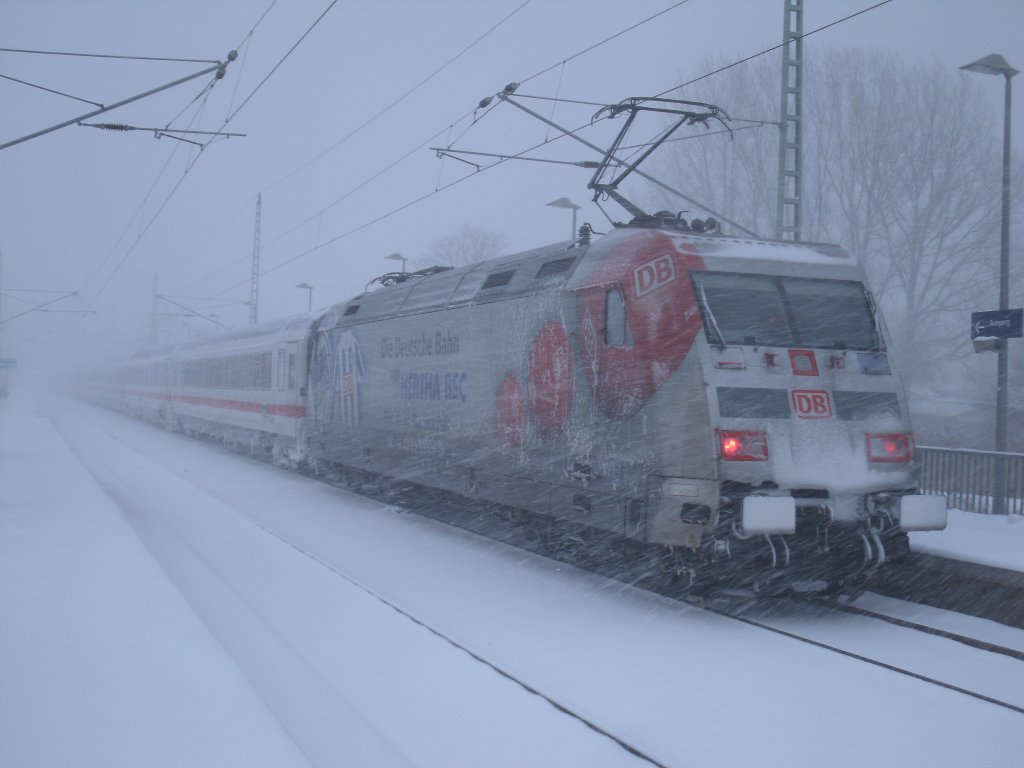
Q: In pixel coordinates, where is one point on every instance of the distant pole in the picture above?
(3, 373)
(565, 202)
(787, 209)
(994, 64)
(254, 281)
(153, 310)
(398, 257)
(309, 295)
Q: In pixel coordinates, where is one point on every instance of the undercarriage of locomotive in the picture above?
(822, 554)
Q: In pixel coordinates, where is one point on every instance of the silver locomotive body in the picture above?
(731, 403)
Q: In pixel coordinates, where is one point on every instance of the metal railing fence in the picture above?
(970, 479)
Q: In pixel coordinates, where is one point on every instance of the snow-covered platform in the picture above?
(991, 540)
(102, 661)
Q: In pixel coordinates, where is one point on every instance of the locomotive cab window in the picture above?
(616, 325)
(768, 310)
(831, 313)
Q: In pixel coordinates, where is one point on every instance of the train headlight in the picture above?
(889, 447)
(742, 446)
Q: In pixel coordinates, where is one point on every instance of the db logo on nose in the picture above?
(812, 404)
(654, 274)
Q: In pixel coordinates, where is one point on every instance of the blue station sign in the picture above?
(997, 324)
(8, 362)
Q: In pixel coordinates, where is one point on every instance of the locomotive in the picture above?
(725, 409)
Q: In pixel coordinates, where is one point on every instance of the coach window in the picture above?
(282, 358)
(616, 324)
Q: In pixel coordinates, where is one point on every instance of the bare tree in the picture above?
(468, 245)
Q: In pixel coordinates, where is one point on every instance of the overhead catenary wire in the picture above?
(774, 47)
(585, 50)
(110, 56)
(423, 197)
(195, 159)
(606, 40)
(137, 214)
(424, 143)
(427, 141)
(366, 123)
(252, 93)
(284, 58)
(358, 129)
(51, 90)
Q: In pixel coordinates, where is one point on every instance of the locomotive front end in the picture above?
(812, 437)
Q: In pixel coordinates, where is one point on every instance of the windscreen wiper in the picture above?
(709, 315)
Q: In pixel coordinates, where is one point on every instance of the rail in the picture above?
(971, 479)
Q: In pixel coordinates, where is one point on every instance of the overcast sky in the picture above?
(339, 135)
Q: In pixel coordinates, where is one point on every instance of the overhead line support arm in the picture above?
(219, 68)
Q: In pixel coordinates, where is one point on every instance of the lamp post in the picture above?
(397, 257)
(309, 295)
(994, 64)
(565, 202)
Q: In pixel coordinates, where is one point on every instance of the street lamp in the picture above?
(309, 295)
(565, 202)
(994, 64)
(398, 257)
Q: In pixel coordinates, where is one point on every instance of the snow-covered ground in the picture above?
(995, 540)
(167, 603)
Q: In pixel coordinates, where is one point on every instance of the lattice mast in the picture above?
(254, 282)
(788, 214)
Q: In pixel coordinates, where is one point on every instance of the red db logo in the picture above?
(653, 275)
(812, 404)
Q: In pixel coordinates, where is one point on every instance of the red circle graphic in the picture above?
(650, 270)
(511, 411)
(551, 379)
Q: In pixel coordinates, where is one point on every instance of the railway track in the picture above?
(738, 615)
(553, 700)
(981, 645)
(473, 519)
(970, 588)
(478, 520)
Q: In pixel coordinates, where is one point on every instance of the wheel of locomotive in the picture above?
(845, 590)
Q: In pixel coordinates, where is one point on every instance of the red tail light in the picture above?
(743, 446)
(890, 448)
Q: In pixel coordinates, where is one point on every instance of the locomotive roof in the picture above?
(722, 246)
(552, 266)
(503, 277)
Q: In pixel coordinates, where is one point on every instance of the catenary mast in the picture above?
(254, 283)
(787, 215)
